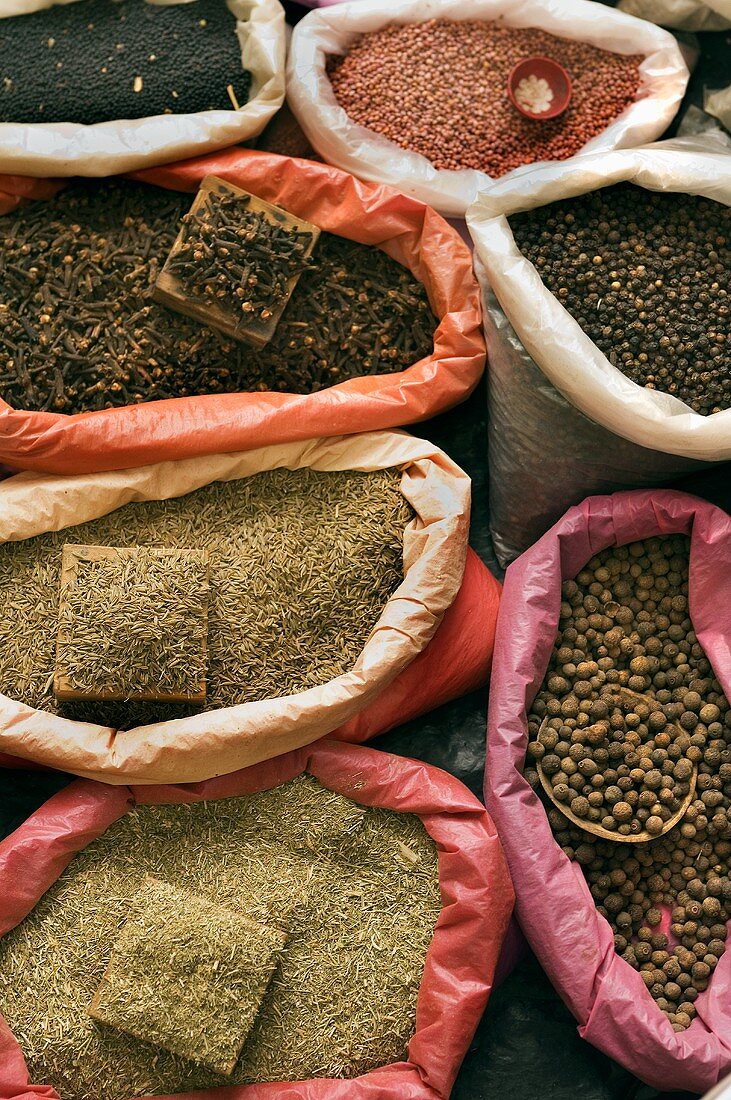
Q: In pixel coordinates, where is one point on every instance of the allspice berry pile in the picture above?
(439, 88)
(626, 732)
(625, 625)
(646, 275)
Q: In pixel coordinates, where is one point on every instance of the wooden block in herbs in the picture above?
(187, 975)
(133, 624)
(236, 262)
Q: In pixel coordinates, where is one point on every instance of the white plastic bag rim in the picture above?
(224, 739)
(372, 157)
(125, 145)
(558, 345)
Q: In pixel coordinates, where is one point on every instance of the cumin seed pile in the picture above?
(301, 565)
(162, 602)
(360, 903)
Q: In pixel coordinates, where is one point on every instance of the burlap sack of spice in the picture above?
(682, 15)
(460, 965)
(553, 903)
(220, 741)
(70, 149)
(409, 232)
(331, 30)
(564, 422)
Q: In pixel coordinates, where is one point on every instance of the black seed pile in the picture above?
(646, 275)
(625, 625)
(79, 330)
(96, 60)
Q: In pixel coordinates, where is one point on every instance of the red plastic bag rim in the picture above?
(458, 971)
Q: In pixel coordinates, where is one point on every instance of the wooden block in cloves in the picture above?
(236, 262)
(187, 975)
(133, 624)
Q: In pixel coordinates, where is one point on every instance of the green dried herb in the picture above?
(361, 909)
(187, 975)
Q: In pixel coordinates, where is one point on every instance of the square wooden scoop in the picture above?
(187, 975)
(244, 258)
(93, 656)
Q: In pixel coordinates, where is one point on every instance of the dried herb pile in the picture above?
(97, 60)
(161, 600)
(79, 330)
(361, 906)
(187, 975)
(646, 275)
(301, 565)
(625, 624)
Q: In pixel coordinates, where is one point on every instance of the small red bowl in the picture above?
(540, 69)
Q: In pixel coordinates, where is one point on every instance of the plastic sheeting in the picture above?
(682, 15)
(220, 741)
(564, 422)
(574, 944)
(106, 148)
(477, 899)
(409, 232)
(331, 30)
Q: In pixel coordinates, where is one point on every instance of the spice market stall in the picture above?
(93, 88)
(609, 718)
(618, 374)
(382, 329)
(362, 899)
(419, 97)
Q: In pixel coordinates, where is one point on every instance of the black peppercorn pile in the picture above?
(646, 275)
(79, 330)
(96, 60)
(625, 625)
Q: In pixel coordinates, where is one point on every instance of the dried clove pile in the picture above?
(97, 60)
(624, 623)
(646, 275)
(79, 330)
(239, 260)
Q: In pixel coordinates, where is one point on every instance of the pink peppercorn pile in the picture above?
(439, 88)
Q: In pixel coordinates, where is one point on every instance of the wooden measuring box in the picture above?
(66, 689)
(220, 313)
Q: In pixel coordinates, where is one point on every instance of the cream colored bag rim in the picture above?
(370, 156)
(110, 148)
(220, 741)
(555, 341)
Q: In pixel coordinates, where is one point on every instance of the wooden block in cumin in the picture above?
(133, 624)
(187, 975)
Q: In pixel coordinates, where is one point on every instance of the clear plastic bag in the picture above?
(563, 422)
(683, 15)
